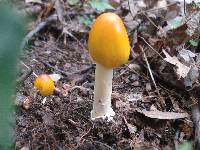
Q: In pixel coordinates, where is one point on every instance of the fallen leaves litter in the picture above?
(163, 115)
(181, 70)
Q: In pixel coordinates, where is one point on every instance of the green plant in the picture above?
(194, 42)
(185, 146)
(73, 2)
(11, 33)
(100, 5)
(87, 21)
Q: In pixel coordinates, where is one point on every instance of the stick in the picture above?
(150, 46)
(26, 74)
(65, 73)
(39, 27)
(196, 116)
(152, 77)
(33, 10)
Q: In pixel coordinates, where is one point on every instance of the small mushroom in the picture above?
(109, 47)
(44, 84)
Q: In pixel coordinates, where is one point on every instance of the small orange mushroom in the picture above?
(44, 84)
(109, 47)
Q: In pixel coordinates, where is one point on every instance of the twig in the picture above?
(72, 122)
(59, 10)
(150, 46)
(196, 116)
(124, 119)
(65, 73)
(39, 27)
(152, 77)
(76, 39)
(28, 68)
(33, 10)
(60, 13)
(25, 75)
(150, 20)
(184, 8)
(86, 133)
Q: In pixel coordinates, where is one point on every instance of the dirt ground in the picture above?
(62, 121)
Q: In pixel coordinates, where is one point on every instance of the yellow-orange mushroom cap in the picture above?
(44, 84)
(108, 41)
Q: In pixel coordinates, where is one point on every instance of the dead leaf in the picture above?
(191, 78)
(163, 115)
(181, 70)
(33, 1)
(193, 24)
(173, 10)
(135, 97)
(186, 56)
(55, 77)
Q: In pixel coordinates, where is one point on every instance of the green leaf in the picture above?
(11, 33)
(197, 4)
(185, 146)
(193, 42)
(87, 21)
(100, 5)
(175, 23)
(73, 2)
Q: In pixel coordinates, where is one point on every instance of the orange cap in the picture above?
(108, 41)
(44, 84)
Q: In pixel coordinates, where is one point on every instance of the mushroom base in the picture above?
(102, 93)
(108, 114)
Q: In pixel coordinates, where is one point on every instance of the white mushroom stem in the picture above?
(102, 93)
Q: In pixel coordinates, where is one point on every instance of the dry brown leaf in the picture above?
(33, 1)
(181, 70)
(55, 77)
(163, 115)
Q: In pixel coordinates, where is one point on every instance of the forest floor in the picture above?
(154, 116)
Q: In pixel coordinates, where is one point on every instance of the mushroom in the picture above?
(44, 84)
(109, 47)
